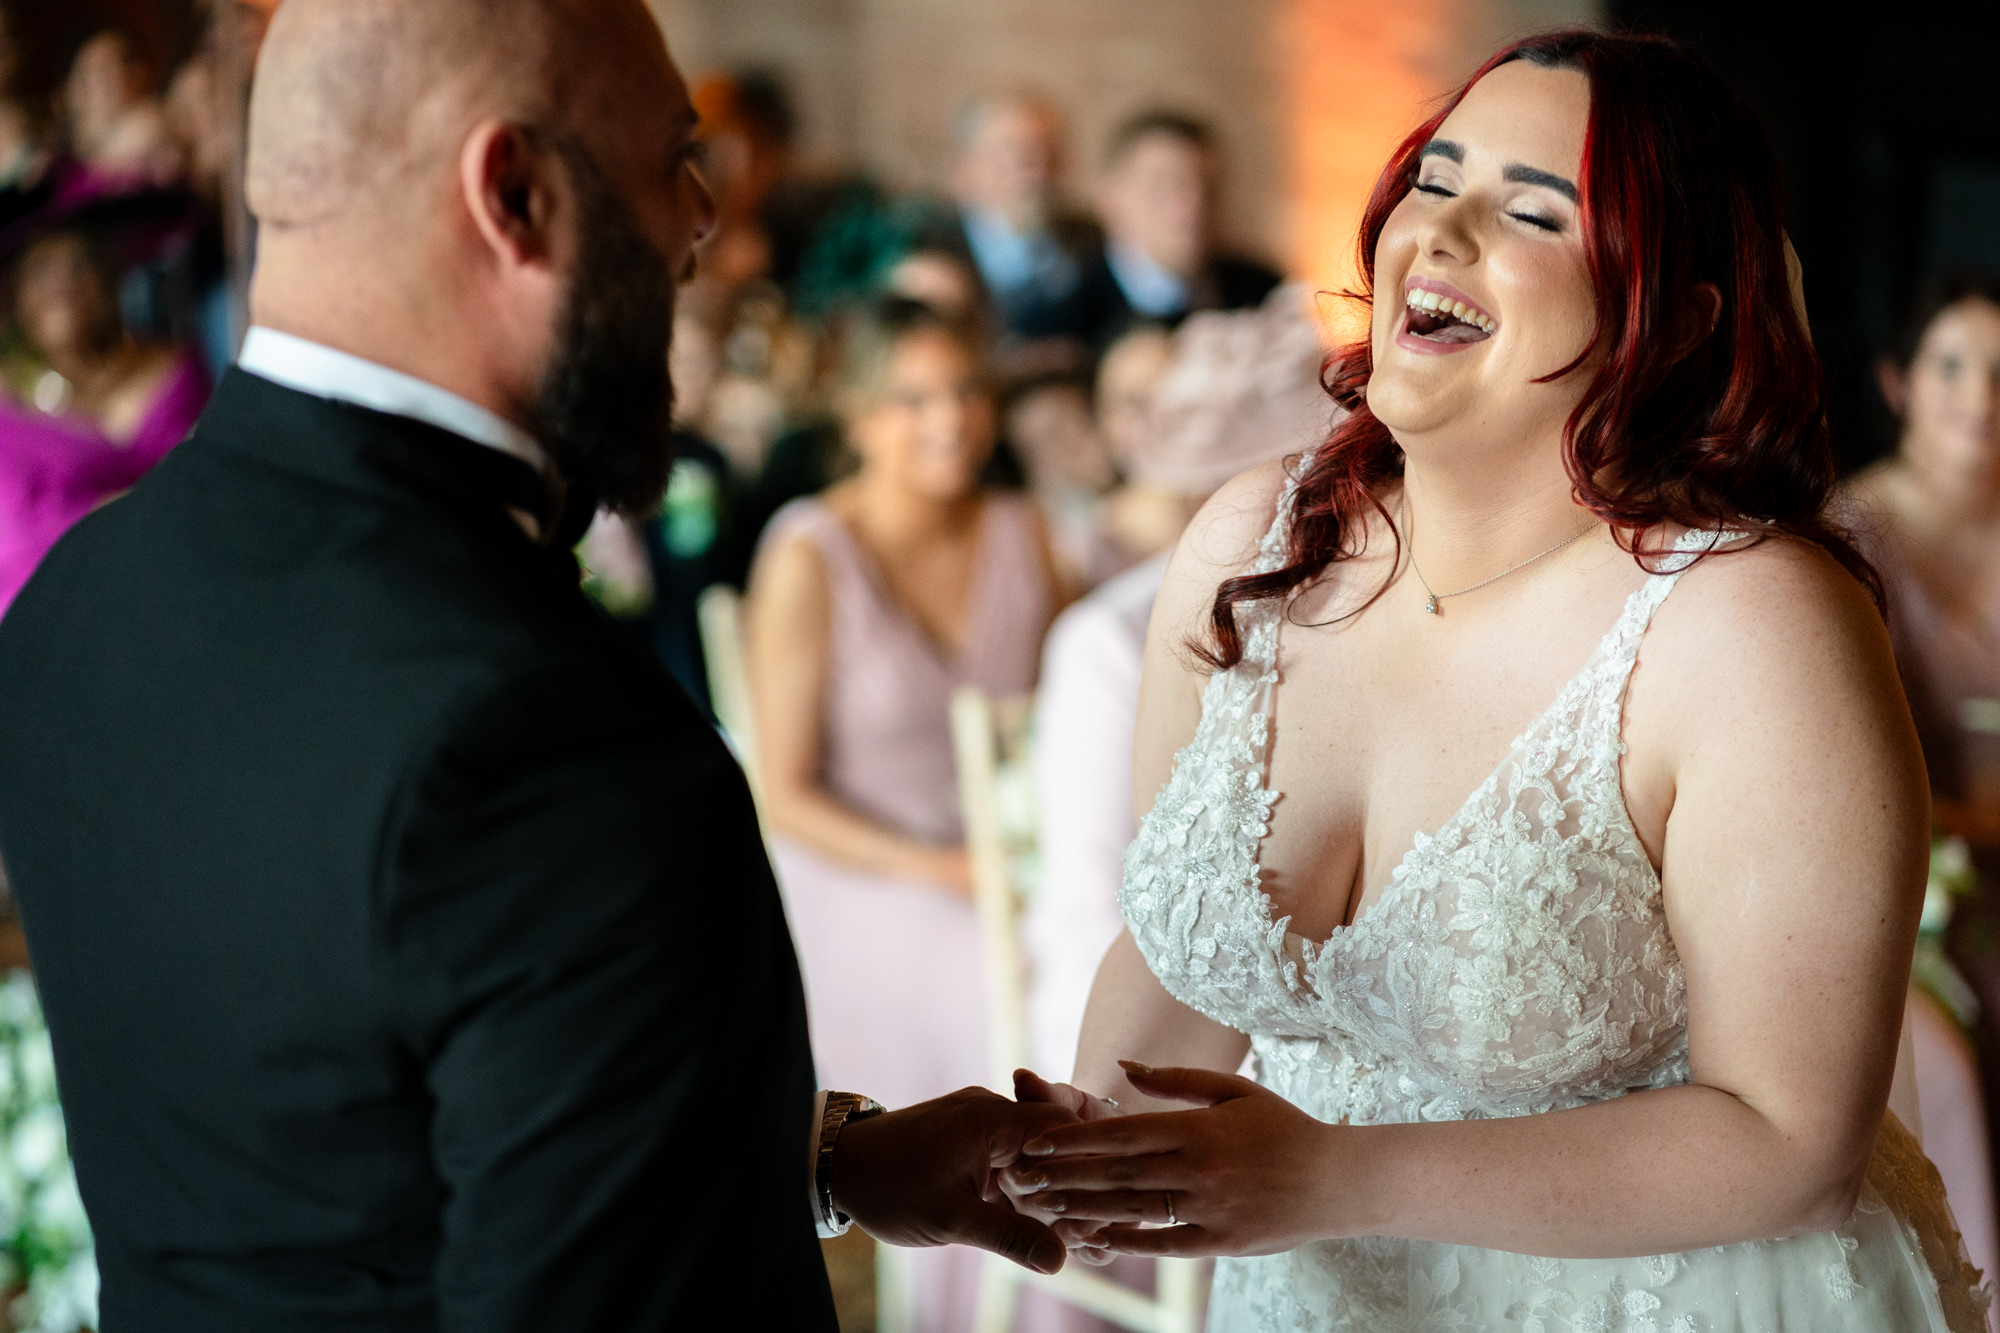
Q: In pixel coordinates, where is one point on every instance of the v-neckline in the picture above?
(1311, 950)
(944, 655)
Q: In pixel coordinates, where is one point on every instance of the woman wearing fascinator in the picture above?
(1526, 787)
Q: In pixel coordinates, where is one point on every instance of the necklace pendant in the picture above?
(1431, 605)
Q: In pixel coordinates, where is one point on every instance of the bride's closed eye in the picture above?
(1536, 220)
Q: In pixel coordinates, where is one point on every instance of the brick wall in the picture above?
(1308, 95)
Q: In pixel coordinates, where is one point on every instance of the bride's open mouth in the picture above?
(1444, 319)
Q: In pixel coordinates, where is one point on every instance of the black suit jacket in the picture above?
(404, 932)
(1098, 313)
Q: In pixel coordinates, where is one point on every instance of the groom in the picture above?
(410, 954)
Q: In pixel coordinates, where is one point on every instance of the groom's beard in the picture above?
(605, 406)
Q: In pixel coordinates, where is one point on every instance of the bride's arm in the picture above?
(1767, 718)
(1130, 1015)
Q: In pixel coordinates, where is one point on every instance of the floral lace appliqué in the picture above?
(1518, 962)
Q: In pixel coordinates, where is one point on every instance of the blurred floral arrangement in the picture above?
(48, 1265)
(1951, 878)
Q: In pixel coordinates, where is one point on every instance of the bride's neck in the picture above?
(1467, 524)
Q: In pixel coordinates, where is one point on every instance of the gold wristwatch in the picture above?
(841, 1107)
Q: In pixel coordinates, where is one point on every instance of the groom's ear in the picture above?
(513, 192)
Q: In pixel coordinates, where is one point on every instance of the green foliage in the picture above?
(47, 1260)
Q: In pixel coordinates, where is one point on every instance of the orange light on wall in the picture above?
(1359, 75)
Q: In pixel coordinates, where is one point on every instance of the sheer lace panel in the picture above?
(1517, 962)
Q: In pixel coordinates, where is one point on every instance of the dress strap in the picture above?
(1271, 550)
(1690, 547)
(1602, 705)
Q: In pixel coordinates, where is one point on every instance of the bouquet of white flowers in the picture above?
(47, 1260)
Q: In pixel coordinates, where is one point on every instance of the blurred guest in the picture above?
(1932, 514)
(1230, 391)
(195, 112)
(114, 121)
(1136, 521)
(868, 607)
(813, 453)
(1006, 217)
(1159, 261)
(757, 363)
(746, 133)
(98, 408)
(1051, 427)
(942, 279)
(650, 574)
(26, 145)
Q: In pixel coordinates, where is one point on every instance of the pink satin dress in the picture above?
(54, 470)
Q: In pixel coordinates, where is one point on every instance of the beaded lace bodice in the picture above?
(1519, 959)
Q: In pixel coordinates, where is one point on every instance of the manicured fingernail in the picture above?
(1038, 1147)
(1134, 1067)
(1032, 1180)
(1053, 1205)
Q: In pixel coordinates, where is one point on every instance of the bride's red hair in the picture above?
(1679, 187)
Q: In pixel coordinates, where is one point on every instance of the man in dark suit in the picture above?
(1005, 219)
(1159, 262)
(404, 933)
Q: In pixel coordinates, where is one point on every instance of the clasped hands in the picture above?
(1246, 1172)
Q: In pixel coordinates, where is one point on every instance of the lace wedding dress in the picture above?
(1519, 962)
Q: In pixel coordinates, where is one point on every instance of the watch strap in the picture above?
(841, 1107)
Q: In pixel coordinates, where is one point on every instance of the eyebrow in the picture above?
(1562, 185)
(1453, 151)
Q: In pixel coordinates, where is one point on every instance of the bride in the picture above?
(1609, 1049)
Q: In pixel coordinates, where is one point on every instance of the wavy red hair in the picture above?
(1679, 187)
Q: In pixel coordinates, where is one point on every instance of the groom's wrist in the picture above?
(838, 1111)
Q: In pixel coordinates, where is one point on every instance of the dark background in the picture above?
(47, 33)
(1886, 119)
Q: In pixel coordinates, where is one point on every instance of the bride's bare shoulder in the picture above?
(1774, 593)
(1221, 541)
(1777, 628)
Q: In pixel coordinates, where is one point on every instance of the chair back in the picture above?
(719, 615)
(993, 742)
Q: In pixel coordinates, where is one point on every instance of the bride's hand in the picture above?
(1249, 1174)
(1032, 1087)
(1081, 1237)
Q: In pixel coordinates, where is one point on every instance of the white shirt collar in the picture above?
(313, 368)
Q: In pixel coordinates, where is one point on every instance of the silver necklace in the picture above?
(1431, 605)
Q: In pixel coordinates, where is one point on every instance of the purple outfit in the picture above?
(54, 470)
(892, 966)
(894, 978)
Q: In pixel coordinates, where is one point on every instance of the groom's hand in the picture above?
(1084, 1237)
(925, 1175)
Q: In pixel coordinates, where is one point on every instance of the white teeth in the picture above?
(1418, 298)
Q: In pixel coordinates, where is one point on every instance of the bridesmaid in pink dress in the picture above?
(869, 605)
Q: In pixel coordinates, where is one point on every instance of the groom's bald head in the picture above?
(493, 195)
(355, 97)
